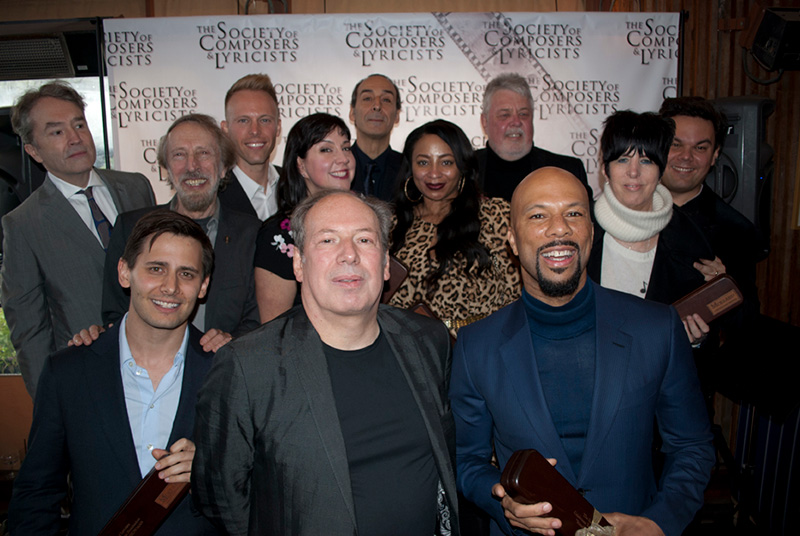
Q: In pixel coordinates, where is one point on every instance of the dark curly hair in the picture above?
(697, 107)
(457, 234)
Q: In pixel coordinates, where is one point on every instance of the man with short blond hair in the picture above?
(253, 125)
(54, 242)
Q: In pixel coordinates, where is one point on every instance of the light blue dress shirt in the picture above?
(150, 413)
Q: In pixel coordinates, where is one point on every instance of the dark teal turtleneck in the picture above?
(564, 345)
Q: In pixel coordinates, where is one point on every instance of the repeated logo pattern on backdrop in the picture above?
(581, 67)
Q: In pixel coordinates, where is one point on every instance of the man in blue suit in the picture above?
(107, 413)
(579, 373)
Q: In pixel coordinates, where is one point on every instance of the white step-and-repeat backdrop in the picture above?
(581, 67)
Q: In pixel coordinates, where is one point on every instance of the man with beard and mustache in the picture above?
(579, 373)
(196, 154)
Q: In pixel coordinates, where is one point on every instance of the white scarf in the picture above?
(631, 225)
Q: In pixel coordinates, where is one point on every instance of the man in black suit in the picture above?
(253, 124)
(196, 155)
(105, 413)
(54, 243)
(699, 134)
(375, 110)
(509, 156)
(333, 418)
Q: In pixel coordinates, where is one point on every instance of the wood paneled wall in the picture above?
(713, 68)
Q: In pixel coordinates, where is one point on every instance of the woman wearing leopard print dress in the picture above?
(450, 237)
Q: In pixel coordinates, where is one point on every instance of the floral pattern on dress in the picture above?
(280, 242)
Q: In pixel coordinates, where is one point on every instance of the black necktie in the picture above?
(369, 183)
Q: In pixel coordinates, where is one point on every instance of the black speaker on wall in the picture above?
(776, 44)
(743, 174)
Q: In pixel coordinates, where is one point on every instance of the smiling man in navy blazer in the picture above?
(579, 373)
(105, 413)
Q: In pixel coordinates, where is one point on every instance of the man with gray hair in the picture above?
(333, 418)
(196, 155)
(55, 241)
(509, 156)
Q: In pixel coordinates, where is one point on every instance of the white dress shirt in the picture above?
(264, 200)
(80, 202)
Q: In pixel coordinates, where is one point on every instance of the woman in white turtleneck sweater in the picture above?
(640, 246)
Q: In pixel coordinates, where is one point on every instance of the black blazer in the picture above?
(81, 427)
(733, 238)
(387, 184)
(232, 194)
(231, 301)
(271, 458)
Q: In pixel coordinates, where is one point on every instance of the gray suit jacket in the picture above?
(270, 454)
(52, 273)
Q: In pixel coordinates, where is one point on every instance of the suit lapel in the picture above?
(658, 288)
(118, 191)
(66, 222)
(193, 375)
(235, 197)
(308, 357)
(223, 249)
(410, 357)
(102, 366)
(522, 371)
(611, 365)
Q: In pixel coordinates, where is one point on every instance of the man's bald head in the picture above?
(543, 179)
(551, 232)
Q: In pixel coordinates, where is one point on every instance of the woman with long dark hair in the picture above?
(450, 237)
(317, 157)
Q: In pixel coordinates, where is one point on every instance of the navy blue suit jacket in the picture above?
(80, 425)
(644, 370)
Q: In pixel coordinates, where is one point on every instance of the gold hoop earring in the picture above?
(461, 185)
(405, 189)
